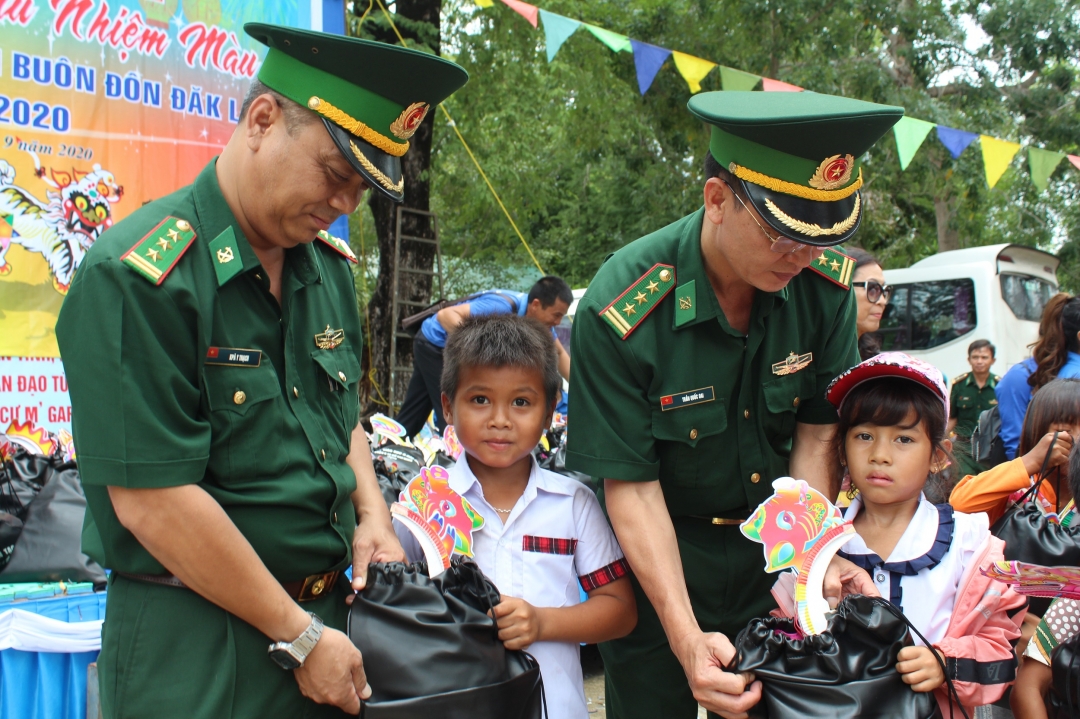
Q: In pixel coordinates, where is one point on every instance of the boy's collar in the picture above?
(462, 480)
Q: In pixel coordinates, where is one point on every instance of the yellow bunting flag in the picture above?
(485, 3)
(693, 69)
(997, 154)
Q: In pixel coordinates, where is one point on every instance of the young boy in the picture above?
(543, 532)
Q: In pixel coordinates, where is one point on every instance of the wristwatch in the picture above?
(291, 655)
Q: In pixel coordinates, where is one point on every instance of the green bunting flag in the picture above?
(910, 134)
(737, 79)
(1043, 163)
(615, 41)
(557, 29)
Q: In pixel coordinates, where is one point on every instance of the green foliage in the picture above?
(585, 164)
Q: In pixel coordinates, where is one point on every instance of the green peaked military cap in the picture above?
(797, 155)
(372, 96)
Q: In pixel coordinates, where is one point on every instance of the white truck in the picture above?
(943, 303)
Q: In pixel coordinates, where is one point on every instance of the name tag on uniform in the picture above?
(233, 357)
(685, 399)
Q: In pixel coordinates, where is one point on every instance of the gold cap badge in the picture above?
(409, 120)
(833, 172)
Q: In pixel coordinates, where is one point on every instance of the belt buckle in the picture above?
(317, 585)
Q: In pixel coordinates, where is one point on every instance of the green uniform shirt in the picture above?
(967, 401)
(717, 454)
(151, 409)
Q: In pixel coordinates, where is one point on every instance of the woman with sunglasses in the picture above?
(872, 296)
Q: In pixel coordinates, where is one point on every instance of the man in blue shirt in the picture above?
(547, 303)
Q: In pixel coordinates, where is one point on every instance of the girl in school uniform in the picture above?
(925, 558)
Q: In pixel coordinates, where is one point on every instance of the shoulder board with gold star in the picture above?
(960, 378)
(835, 266)
(641, 298)
(338, 245)
(158, 252)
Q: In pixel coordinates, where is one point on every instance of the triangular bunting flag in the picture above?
(647, 61)
(770, 85)
(1074, 159)
(527, 11)
(910, 134)
(955, 141)
(997, 154)
(737, 79)
(615, 41)
(693, 69)
(556, 31)
(1042, 164)
(485, 3)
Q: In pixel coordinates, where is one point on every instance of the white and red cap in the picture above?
(889, 364)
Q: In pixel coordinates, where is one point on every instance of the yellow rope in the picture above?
(790, 188)
(476, 162)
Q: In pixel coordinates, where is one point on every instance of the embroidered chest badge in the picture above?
(793, 364)
(685, 399)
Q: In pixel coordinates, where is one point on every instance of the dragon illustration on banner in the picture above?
(78, 208)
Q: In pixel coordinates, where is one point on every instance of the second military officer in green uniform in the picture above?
(972, 394)
(212, 346)
(702, 353)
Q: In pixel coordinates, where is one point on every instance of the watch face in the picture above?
(284, 659)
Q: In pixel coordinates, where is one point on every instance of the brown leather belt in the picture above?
(304, 590)
(721, 521)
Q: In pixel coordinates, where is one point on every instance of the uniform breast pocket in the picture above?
(248, 420)
(549, 570)
(339, 394)
(782, 398)
(689, 443)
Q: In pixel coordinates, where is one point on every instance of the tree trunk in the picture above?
(947, 238)
(412, 287)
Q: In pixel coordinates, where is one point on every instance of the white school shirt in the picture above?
(922, 575)
(555, 540)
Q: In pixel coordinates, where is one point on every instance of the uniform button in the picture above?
(342, 376)
(693, 434)
(746, 414)
(239, 397)
(880, 578)
(258, 276)
(755, 477)
(323, 453)
(335, 517)
(795, 402)
(295, 392)
(318, 587)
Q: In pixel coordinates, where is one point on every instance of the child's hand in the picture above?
(518, 621)
(1033, 460)
(920, 668)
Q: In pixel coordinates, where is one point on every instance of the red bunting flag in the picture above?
(1075, 160)
(527, 11)
(769, 85)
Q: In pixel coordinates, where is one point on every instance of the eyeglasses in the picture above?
(875, 290)
(781, 245)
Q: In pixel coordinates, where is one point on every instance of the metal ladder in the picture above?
(399, 302)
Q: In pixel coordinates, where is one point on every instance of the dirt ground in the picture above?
(593, 668)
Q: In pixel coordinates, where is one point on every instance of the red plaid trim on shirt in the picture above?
(548, 545)
(605, 575)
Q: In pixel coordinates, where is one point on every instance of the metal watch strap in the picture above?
(301, 647)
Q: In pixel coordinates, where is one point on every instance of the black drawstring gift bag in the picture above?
(432, 650)
(846, 672)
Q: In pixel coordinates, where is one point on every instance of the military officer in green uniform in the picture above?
(972, 393)
(702, 353)
(212, 346)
